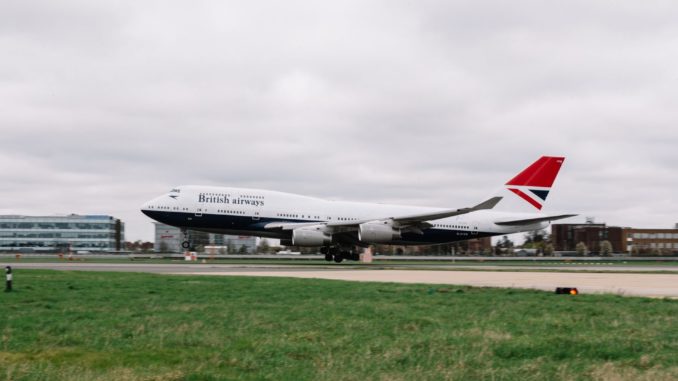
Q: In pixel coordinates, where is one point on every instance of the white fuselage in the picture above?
(247, 212)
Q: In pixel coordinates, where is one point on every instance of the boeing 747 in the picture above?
(338, 227)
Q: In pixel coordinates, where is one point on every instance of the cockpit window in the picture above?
(175, 190)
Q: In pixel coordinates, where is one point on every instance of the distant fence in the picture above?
(176, 256)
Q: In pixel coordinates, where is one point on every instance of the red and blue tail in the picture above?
(530, 188)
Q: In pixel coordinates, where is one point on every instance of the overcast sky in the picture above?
(106, 104)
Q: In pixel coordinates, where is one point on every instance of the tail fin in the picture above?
(530, 188)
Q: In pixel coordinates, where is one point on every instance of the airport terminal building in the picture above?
(168, 240)
(60, 234)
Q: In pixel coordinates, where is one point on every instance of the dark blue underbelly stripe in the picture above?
(246, 225)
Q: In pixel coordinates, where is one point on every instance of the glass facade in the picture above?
(61, 233)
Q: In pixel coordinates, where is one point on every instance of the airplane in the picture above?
(339, 227)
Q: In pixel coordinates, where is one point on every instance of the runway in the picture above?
(654, 285)
(632, 284)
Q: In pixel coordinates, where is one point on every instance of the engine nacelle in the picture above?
(377, 232)
(312, 236)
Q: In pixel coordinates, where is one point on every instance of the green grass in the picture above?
(127, 326)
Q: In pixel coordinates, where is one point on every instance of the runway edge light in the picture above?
(8, 284)
(567, 291)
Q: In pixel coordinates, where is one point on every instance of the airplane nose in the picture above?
(146, 208)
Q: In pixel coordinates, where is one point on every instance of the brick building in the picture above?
(651, 241)
(565, 237)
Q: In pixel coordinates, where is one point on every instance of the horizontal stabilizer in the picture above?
(530, 221)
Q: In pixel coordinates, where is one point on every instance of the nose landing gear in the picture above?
(186, 244)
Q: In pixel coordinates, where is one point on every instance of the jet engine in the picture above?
(310, 236)
(377, 232)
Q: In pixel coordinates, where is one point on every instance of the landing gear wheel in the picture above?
(338, 258)
(328, 257)
(185, 244)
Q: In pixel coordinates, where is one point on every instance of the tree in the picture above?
(504, 246)
(506, 242)
(461, 248)
(548, 249)
(534, 239)
(139, 246)
(263, 247)
(634, 250)
(606, 248)
(147, 247)
(582, 249)
(243, 250)
(446, 249)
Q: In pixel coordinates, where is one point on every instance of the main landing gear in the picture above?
(338, 254)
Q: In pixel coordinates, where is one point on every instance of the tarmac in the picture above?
(653, 285)
(631, 284)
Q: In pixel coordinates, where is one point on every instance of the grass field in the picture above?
(126, 326)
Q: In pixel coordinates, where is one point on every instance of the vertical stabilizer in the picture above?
(528, 190)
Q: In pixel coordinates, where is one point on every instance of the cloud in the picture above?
(108, 104)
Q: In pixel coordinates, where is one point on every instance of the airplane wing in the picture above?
(529, 221)
(423, 217)
(413, 219)
(488, 204)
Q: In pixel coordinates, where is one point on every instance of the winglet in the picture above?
(488, 204)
